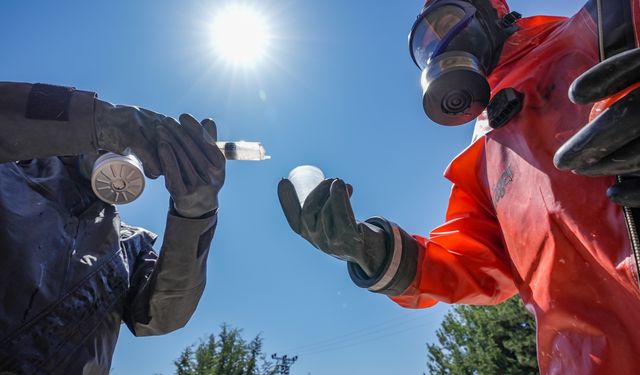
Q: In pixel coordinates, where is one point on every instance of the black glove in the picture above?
(327, 221)
(610, 144)
(119, 127)
(192, 164)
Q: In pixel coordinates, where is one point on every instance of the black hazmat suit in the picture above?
(71, 271)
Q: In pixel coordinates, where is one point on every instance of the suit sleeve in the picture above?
(165, 289)
(463, 260)
(38, 121)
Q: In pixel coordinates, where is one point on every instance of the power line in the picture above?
(381, 328)
(384, 325)
(362, 341)
(358, 337)
(284, 363)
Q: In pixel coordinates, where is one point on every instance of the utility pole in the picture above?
(284, 363)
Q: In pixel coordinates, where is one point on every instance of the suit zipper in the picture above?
(632, 228)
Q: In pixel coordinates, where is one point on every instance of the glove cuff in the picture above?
(400, 265)
(174, 211)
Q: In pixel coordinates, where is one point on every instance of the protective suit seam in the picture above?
(74, 289)
(27, 330)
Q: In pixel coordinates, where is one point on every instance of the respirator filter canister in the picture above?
(117, 179)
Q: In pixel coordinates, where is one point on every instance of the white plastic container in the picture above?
(305, 178)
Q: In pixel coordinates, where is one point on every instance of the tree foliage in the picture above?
(226, 354)
(478, 340)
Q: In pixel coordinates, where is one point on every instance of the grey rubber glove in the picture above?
(610, 144)
(192, 164)
(119, 127)
(327, 221)
(40, 120)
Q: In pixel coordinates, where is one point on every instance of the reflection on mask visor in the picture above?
(434, 30)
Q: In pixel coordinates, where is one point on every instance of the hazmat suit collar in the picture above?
(532, 31)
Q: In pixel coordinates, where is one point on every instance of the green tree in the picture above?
(225, 354)
(479, 340)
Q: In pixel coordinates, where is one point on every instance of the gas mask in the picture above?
(117, 179)
(456, 44)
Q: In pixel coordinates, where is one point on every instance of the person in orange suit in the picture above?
(517, 223)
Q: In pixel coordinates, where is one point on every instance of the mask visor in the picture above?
(435, 28)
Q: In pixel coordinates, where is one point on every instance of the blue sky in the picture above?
(338, 91)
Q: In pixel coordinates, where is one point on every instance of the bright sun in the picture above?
(240, 35)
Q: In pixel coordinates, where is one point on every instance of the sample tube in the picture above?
(243, 150)
(305, 178)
